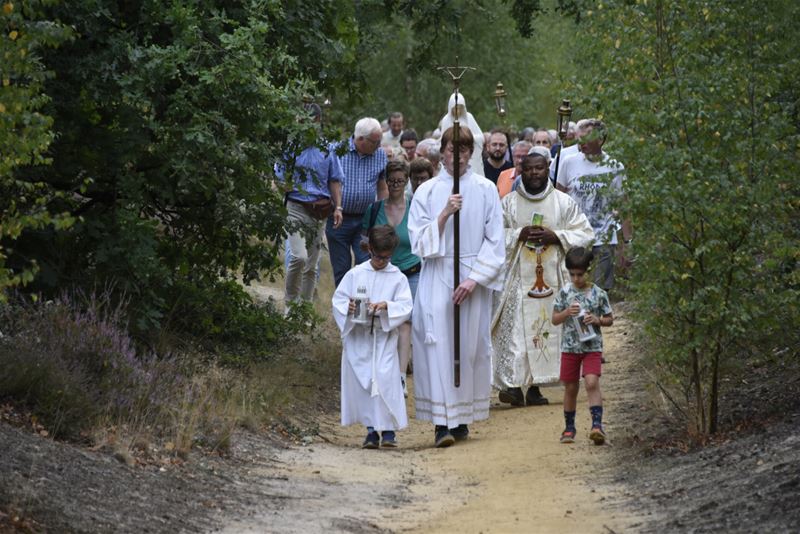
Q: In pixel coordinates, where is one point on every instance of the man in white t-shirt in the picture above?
(593, 179)
(570, 148)
(396, 125)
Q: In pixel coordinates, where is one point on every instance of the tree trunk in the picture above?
(713, 397)
(700, 412)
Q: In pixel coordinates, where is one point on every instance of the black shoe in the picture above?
(460, 432)
(443, 437)
(512, 396)
(534, 397)
(372, 441)
(388, 439)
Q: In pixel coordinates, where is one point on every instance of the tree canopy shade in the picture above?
(167, 118)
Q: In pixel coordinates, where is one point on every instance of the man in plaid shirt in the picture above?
(363, 162)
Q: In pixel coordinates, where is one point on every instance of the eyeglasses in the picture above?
(380, 257)
(396, 182)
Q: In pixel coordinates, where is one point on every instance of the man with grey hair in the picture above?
(363, 163)
(507, 180)
(429, 149)
(570, 148)
(594, 180)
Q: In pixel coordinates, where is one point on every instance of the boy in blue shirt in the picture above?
(582, 307)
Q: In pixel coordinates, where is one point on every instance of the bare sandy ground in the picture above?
(511, 475)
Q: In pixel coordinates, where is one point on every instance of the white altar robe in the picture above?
(527, 347)
(482, 253)
(372, 393)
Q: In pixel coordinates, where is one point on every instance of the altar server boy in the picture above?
(372, 393)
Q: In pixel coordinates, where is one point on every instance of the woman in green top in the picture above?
(394, 212)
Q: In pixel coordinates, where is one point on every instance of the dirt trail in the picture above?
(511, 475)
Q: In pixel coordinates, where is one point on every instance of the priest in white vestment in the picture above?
(482, 253)
(541, 224)
(372, 393)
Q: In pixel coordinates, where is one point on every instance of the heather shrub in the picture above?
(72, 362)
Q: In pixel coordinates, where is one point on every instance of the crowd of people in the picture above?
(533, 216)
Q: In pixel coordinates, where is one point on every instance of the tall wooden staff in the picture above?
(564, 113)
(455, 74)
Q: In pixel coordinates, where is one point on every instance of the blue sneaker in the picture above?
(388, 439)
(372, 441)
(443, 437)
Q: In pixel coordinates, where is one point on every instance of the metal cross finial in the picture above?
(456, 72)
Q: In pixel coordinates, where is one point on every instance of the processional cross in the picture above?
(456, 73)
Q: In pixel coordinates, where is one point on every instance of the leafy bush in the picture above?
(166, 119)
(226, 321)
(712, 177)
(25, 134)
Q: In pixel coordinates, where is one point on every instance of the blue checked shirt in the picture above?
(361, 176)
(313, 171)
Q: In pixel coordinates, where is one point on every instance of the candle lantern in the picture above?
(500, 100)
(564, 114)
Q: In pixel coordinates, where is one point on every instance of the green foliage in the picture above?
(167, 119)
(25, 132)
(407, 44)
(702, 100)
(224, 318)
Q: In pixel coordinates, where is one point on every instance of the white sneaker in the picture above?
(405, 388)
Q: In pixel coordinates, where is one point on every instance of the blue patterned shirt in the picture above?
(313, 170)
(361, 176)
(594, 300)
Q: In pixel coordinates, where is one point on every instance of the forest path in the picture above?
(511, 475)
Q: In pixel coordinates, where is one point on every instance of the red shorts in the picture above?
(571, 365)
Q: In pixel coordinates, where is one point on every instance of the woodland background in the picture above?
(137, 141)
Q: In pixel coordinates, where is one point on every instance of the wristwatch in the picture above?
(339, 208)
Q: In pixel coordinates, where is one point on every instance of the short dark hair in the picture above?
(579, 258)
(530, 157)
(395, 115)
(421, 164)
(465, 139)
(408, 135)
(383, 238)
(395, 166)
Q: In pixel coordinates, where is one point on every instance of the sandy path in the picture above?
(511, 475)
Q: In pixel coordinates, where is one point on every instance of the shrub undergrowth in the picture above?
(72, 362)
